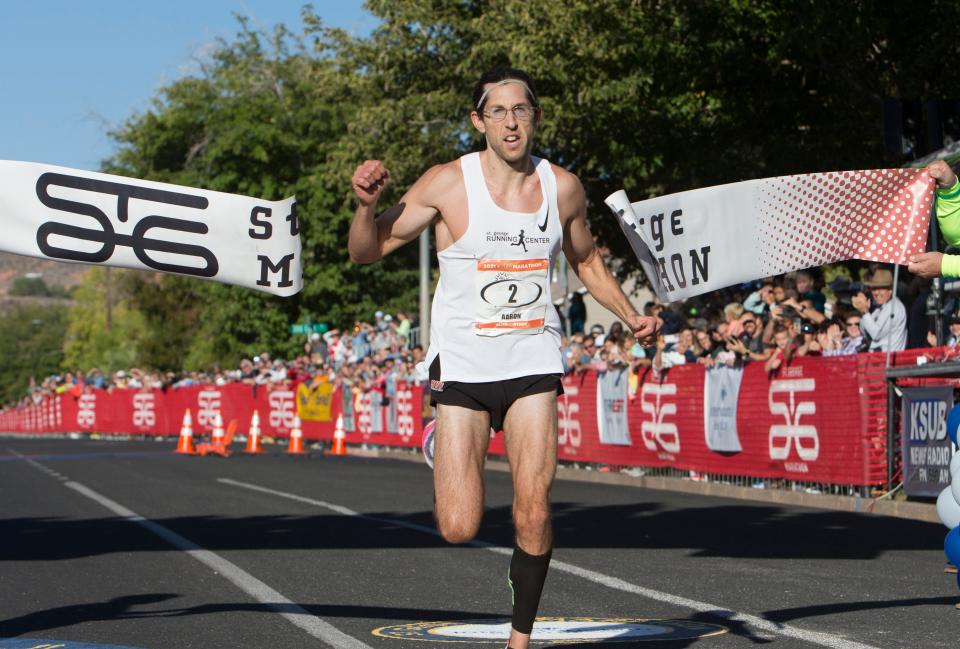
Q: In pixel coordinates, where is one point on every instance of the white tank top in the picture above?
(493, 317)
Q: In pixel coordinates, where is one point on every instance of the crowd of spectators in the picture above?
(377, 353)
(771, 321)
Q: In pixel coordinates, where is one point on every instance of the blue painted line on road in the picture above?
(34, 643)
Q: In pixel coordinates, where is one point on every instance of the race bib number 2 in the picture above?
(511, 296)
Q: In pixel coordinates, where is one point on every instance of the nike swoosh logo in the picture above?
(546, 219)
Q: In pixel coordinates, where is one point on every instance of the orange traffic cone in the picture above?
(216, 436)
(339, 446)
(253, 437)
(185, 444)
(296, 438)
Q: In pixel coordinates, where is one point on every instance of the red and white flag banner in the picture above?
(702, 240)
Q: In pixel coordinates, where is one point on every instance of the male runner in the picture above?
(495, 338)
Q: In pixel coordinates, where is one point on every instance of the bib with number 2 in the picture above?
(511, 296)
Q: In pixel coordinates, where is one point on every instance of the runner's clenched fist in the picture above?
(369, 181)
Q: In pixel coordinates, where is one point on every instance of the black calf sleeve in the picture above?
(527, 574)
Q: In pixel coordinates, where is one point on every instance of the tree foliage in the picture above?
(646, 95)
(102, 328)
(31, 346)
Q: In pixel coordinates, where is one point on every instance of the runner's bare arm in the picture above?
(371, 236)
(585, 259)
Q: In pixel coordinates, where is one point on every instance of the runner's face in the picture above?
(511, 139)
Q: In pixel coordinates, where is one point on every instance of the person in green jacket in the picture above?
(937, 264)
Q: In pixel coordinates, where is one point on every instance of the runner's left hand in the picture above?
(645, 328)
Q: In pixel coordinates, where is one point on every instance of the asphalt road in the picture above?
(125, 543)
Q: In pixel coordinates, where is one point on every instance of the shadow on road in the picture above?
(735, 531)
(137, 607)
(128, 607)
(784, 615)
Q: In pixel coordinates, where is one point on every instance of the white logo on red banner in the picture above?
(405, 413)
(87, 410)
(144, 410)
(568, 426)
(791, 433)
(364, 418)
(657, 433)
(208, 404)
(283, 409)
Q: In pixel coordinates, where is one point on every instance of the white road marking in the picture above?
(50, 472)
(294, 613)
(815, 637)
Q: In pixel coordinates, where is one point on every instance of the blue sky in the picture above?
(70, 71)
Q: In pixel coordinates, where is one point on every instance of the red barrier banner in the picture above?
(817, 420)
(802, 424)
(393, 422)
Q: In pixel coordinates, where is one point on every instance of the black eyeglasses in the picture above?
(855, 323)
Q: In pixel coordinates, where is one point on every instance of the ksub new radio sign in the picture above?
(925, 444)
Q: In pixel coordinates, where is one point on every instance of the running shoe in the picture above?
(427, 443)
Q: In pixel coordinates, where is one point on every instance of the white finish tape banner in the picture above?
(706, 239)
(80, 216)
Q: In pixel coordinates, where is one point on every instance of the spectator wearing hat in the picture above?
(380, 324)
(885, 320)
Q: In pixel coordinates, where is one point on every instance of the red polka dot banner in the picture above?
(705, 239)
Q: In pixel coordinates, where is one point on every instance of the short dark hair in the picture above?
(501, 73)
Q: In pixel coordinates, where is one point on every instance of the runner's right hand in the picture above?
(369, 181)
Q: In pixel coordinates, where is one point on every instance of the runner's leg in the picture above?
(460, 449)
(530, 429)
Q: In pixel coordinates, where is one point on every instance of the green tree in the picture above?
(31, 346)
(29, 286)
(102, 329)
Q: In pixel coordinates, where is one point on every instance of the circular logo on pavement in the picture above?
(554, 629)
(33, 643)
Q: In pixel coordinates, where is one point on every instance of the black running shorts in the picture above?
(494, 397)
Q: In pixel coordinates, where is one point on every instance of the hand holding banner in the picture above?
(81, 216)
(702, 240)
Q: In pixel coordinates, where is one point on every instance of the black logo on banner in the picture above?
(109, 239)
